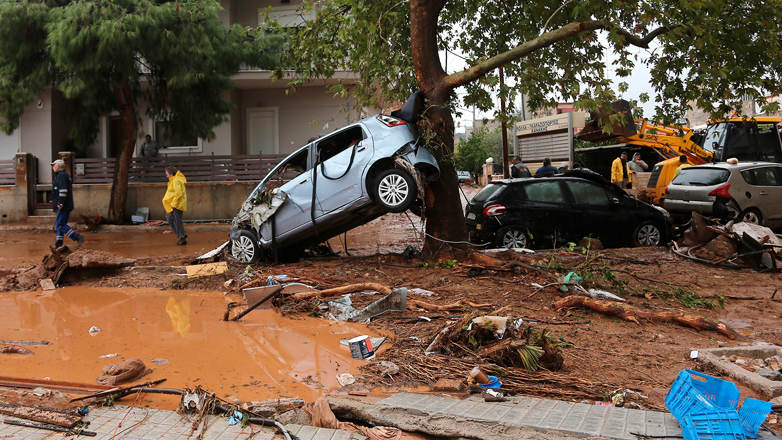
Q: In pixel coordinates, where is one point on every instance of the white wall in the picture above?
(9, 145)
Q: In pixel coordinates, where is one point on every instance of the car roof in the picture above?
(582, 173)
(729, 166)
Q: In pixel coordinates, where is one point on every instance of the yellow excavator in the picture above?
(755, 139)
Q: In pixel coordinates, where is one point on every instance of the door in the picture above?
(548, 212)
(595, 214)
(262, 130)
(342, 160)
(763, 192)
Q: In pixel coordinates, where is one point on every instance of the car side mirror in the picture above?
(615, 201)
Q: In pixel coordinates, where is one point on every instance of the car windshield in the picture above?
(489, 192)
(701, 176)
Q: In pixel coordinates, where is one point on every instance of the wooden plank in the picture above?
(200, 270)
(74, 387)
(37, 414)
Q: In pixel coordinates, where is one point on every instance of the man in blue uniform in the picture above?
(62, 203)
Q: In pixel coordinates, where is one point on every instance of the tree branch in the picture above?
(547, 39)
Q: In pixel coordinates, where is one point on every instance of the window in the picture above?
(333, 145)
(549, 192)
(172, 144)
(701, 176)
(586, 193)
(489, 192)
(289, 16)
(765, 176)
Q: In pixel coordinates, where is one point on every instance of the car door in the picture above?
(764, 192)
(596, 214)
(342, 161)
(297, 189)
(549, 213)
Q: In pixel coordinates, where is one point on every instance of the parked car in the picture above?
(746, 191)
(334, 184)
(463, 176)
(551, 211)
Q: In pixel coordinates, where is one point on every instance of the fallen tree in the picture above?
(630, 313)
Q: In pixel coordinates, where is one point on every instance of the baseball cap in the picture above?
(59, 162)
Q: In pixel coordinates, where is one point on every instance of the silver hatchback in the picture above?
(748, 191)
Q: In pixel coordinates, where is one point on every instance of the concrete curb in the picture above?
(713, 356)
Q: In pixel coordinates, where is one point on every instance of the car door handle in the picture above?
(304, 181)
(361, 148)
(763, 193)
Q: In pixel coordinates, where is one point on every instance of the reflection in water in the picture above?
(179, 312)
(263, 356)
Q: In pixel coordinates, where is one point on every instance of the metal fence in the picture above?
(7, 172)
(195, 168)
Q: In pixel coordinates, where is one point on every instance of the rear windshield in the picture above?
(701, 176)
(489, 192)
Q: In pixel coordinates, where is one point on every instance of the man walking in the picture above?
(148, 148)
(620, 174)
(175, 202)
(62, 204)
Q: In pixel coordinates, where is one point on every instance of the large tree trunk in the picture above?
(119, 186)
(445, 220)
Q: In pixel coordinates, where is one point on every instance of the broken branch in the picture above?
(343, 290)
(630, 313)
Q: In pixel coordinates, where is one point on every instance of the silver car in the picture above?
(334, 184)
(748, 191)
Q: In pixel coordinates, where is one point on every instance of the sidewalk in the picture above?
(154, 424)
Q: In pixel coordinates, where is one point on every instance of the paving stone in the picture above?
(515, 415)
(306, 432)
(423, 403)
(324, 434)
(461, 408)
(500, 412)
(440, 405)
(480, 410)
(534, 417)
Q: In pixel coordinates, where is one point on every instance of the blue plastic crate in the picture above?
(752, 414)
(716, 424)
(693, 392)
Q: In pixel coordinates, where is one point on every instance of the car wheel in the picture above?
(395, 190)
(512, 237)
(245, 247)
(751, 215)
(647, 234)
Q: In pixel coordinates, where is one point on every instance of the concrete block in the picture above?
(306, 432)
(481, 410)
(515, 415)
(591, 425)
(534, 417)
(499, 413)
(324, 434)
(440, 405)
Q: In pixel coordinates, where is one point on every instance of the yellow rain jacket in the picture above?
(616, 172)
(176, 195)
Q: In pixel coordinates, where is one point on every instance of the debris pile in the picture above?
(734, 245)
(770, 368)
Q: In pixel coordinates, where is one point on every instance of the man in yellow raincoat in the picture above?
(620, 174)
(175, 202)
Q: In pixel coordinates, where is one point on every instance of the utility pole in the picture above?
(505, 161)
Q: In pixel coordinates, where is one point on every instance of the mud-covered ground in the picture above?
(603, 350)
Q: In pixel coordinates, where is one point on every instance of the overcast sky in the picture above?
(638, 83)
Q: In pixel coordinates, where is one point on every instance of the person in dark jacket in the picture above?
(62, 204)
(519, 169)
(547, 168)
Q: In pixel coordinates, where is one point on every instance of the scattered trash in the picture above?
(47, 284)
(16, 349)
(345, 379)
(93, 330)
(498, 323)
(159, 361)
(422, 292)
(235, 418)
(228, 283)
(361, 348)
(123, 372)
(26, 342)
(277, 279)
(571, 278)
(192, 400)
(536, 285)
(596, 293)
(254, 294)
(269, 293)
(694, 354)
(201, 270)
(611, 404)
(495, 393)
(112, 355)
(213, 253)
(479, 376)
(391, 368)
(343, 310)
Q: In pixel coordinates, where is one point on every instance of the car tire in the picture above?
(395, 190)
(512, 236)
(245, 247)
(648, 233)
(750, 215)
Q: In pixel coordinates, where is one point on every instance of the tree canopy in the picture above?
(712, 53)
(176, 57)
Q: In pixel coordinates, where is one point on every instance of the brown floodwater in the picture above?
(266, 356)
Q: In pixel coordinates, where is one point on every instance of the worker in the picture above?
(620, 174)
(683, 164)
(637, 165)
(518, 169)
(547, 168)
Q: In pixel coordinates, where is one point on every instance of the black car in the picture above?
(548, 212)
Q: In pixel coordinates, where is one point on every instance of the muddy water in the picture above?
(267, 356)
